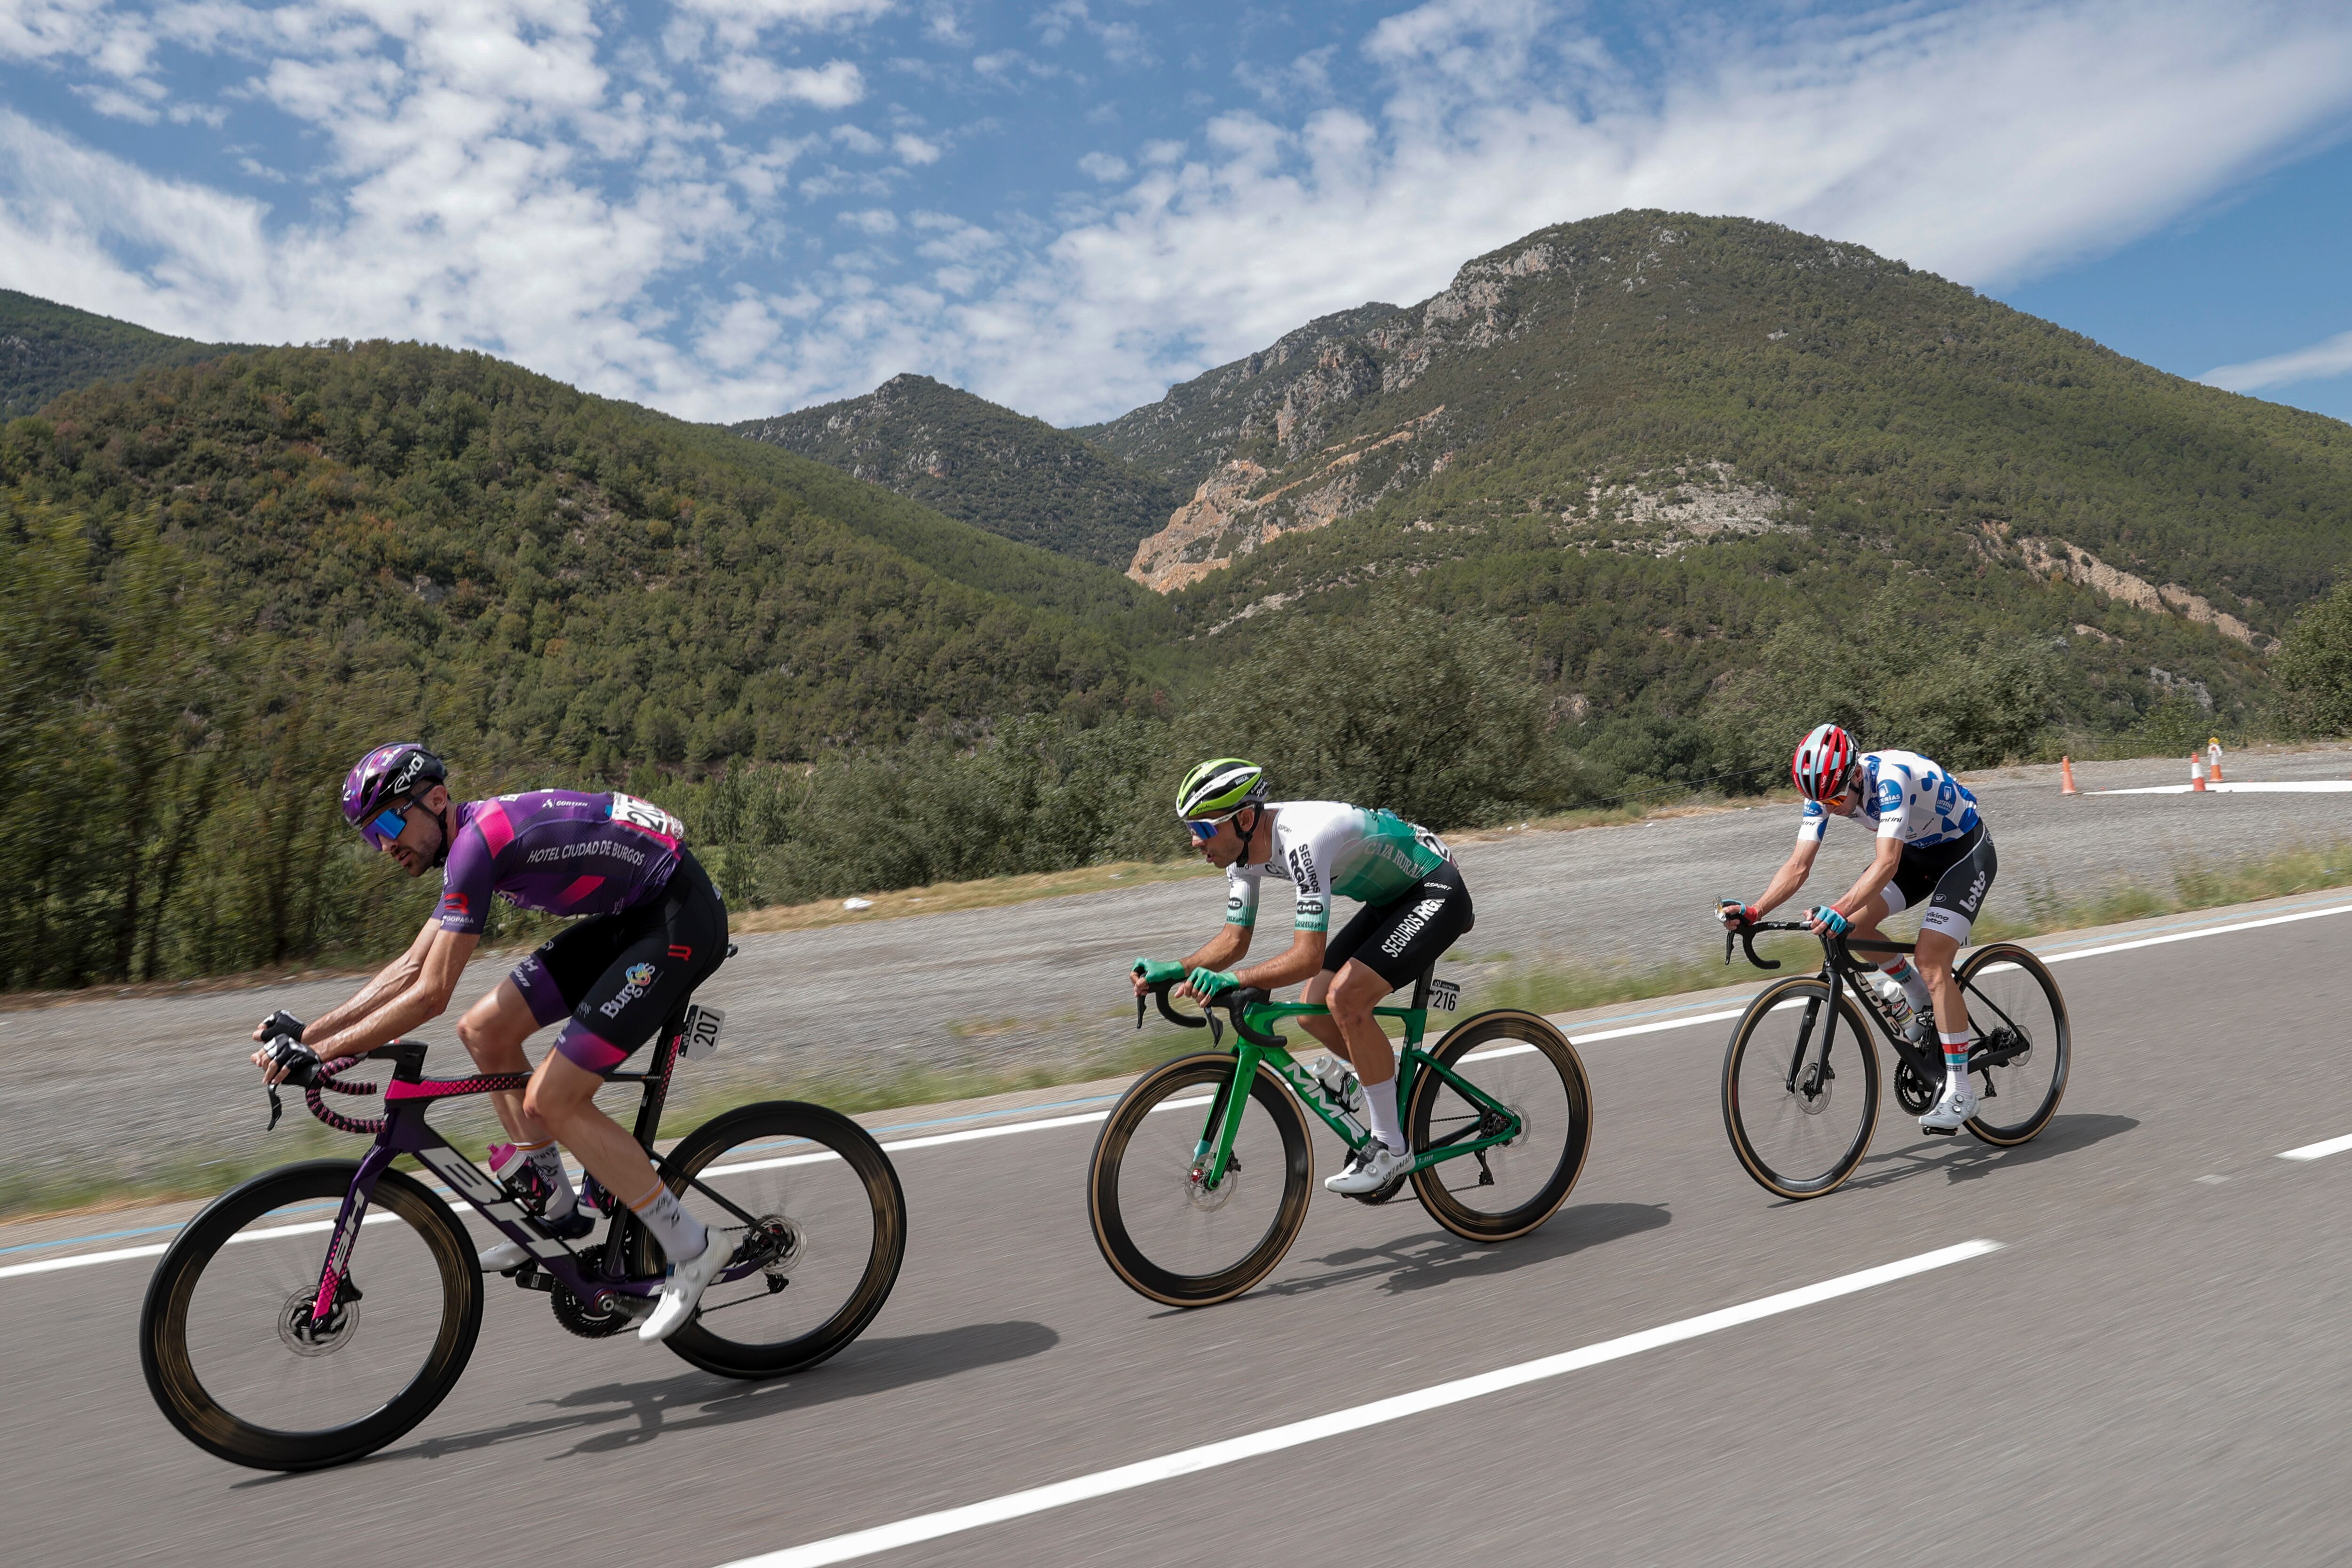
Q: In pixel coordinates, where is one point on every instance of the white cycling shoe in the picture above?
(684, 1290)
(1952, 1112)
(506, 1255)
(1370, 1166)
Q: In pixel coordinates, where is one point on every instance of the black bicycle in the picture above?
(1800, 1078)
(314, 1314)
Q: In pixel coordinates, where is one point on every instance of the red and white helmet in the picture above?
(1818, 768)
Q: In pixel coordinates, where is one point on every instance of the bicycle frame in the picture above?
(1839, 971)
(1213, 1154)
(599, 1278)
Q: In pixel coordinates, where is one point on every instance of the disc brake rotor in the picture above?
(1207, 1200)
(304, 1338)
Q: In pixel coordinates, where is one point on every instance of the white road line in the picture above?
(2267, 787)
(1209, 1456)
(2193, 935)
(1591, 1037)
(2318, 1151)
(157, 1250)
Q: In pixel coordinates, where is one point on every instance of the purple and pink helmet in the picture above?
(388, 774)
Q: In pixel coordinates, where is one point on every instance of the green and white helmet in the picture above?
(1221, 785)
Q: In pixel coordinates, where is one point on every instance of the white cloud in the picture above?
(752, 82)
(505, 174)
(2318, 361)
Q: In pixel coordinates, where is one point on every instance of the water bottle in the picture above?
(1340, 1085)
(1896, 1002)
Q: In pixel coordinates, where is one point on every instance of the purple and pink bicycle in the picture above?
(311, 1315)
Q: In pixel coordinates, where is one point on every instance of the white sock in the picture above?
(1956, 1061)
(1380, 1109)
(547, 1162)
(1913, 984)
(673, 1224)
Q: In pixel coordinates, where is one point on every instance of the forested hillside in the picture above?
(221, 582)
(45, 350)
(985, 464)
(1649, 440)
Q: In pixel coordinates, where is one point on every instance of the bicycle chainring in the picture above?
(1914, 1094)
(577, 1318)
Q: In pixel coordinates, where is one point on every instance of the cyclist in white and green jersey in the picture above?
(1415, 906)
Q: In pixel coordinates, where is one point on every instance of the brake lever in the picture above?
(276, 1107)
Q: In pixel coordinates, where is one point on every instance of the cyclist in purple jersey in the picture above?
(553, 850)
(655, 929)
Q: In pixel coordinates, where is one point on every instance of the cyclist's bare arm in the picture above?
(1789, 877)
(390, 980)
(1302, 960)
(425, 996)
(1882, 870)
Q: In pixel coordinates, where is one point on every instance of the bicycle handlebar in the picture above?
(1842, 945)
(1236, 1002)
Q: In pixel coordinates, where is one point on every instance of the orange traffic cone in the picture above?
(2196, 772)
(2214, 759)
(2066, 777)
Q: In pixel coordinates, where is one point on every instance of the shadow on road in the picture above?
(1972, 1160)
(625, 1415)
(1439, 1257)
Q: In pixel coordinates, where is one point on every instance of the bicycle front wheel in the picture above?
(227, 1339)
(2015, 1012)
(1800, 1106)
(1518, 1064)
(820, 1209)
(1163, 1230)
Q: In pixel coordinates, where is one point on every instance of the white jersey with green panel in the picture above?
(1329, 847)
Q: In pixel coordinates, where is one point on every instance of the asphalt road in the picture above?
(2151, 1369)
(1043, 983)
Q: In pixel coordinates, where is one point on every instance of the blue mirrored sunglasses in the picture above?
(387, 825)
(1204, 831)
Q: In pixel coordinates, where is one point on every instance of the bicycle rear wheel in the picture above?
(226, 1337)
(2013, 1002)
(1531, 1068)
(1800, 1119)
(1169, 1237)
(827, 1222)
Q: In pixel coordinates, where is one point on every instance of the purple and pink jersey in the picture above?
(557, 851)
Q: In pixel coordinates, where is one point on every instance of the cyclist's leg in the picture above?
(541, 991)
(683, 942)
(1405, 938)
(1359, 929)
(1952, 907)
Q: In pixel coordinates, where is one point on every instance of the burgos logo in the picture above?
(639, 977)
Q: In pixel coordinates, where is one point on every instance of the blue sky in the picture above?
(728, 208)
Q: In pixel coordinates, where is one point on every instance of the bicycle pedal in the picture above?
(1941, 1132)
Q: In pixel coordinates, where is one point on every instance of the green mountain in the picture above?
(45, 350)
(1652, 439)
(567, 578)
(973, 460)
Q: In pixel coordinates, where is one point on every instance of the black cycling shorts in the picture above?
(619, 975)
(1401, 938)
(1952, 878)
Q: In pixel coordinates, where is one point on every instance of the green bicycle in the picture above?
(1192, 1210)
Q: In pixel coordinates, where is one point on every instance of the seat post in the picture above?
(666, 1044)
(1422, 984)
